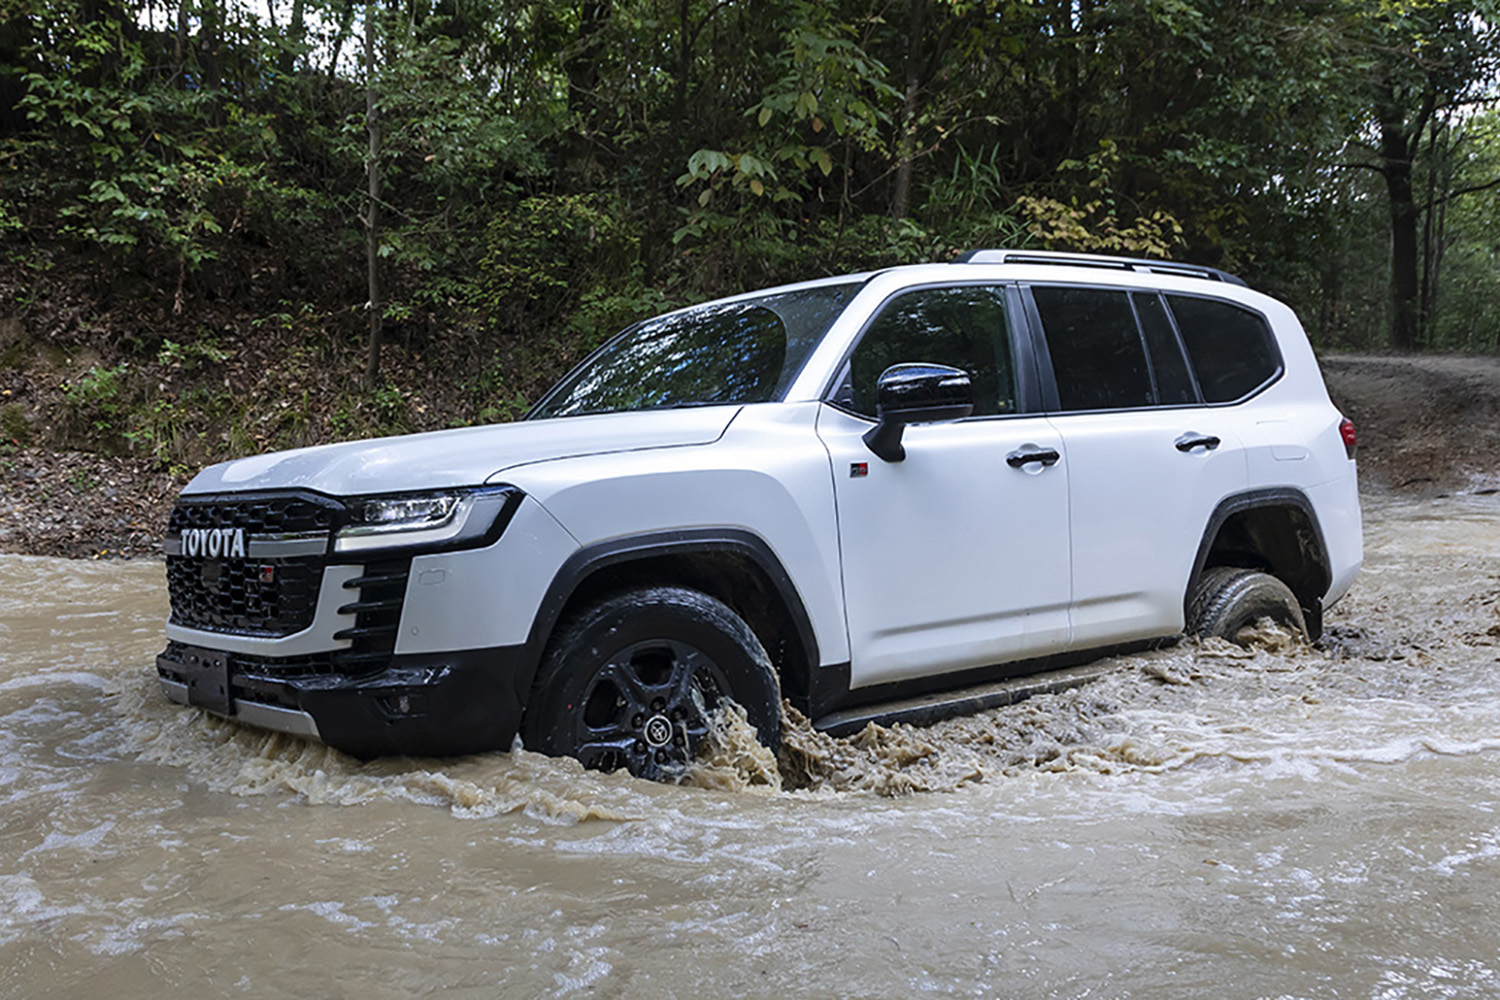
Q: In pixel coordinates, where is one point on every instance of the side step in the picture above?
(926, 709)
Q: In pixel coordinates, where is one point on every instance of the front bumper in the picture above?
(421, 705)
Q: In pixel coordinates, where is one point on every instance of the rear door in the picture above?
(953, 557)
(1147, 460)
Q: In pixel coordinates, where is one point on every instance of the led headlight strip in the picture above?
(449, 519)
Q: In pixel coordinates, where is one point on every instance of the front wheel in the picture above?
(1229, 599)
(634, 680)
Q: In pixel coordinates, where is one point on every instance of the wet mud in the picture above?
(1204, 820)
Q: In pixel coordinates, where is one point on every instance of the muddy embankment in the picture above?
(1429, 424)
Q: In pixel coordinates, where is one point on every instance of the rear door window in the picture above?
(1098, 358)
(1231, 348)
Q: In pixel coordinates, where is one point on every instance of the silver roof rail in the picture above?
(1098, 260)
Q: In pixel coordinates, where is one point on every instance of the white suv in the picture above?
(847, 493)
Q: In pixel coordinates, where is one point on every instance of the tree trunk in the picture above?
(1395, 159)
(583, 66)
(372, 218)
(906, 140)
(286, 59)
(346, 19)
(209, 64)
(16, 35)
(180, 46)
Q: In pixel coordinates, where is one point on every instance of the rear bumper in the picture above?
(421, 705)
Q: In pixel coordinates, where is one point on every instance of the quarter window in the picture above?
(1098, 359)
(1230, 347)
(963, 327)
(1173, 383)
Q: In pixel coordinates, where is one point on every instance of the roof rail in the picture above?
(1097, 260)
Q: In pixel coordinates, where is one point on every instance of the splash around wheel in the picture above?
(634, 681)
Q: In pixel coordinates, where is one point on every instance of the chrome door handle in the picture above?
(1029, 453)
(1192, 439)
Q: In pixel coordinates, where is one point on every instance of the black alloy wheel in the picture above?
(633, 681)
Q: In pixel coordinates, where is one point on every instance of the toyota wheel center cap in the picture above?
(657, 731)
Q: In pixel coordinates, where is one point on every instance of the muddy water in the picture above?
(1202, 822)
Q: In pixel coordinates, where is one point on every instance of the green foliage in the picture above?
(549, 253)
(498, 402)
(81, 481)
(824, 97)
(97, 399)
(14, 428)
(390, 407)
(140, 170)
(189, 356)
(555, 172)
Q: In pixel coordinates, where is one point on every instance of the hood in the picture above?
(464, 457)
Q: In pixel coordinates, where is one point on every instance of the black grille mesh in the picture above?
(265, 597)
(234, 595)
(268, 515)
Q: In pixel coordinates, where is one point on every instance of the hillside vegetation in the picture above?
(227, 228)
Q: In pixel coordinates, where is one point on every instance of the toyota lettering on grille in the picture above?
(215, 543)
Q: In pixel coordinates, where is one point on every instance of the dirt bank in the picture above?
(1429, 423)
(1426, 424)
(81, 505)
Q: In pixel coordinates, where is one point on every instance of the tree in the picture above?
(1427, 63)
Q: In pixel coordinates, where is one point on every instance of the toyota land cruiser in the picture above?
(844, 493)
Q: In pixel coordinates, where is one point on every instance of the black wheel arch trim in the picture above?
(618, 551)
(1270, 497)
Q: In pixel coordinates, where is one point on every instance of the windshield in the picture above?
(747, 351)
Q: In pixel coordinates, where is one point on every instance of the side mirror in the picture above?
(916, 393)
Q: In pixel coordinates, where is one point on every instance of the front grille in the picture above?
(252, 596)
(234, 595)
(273, 514)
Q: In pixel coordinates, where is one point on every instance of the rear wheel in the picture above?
(632, 682)
(1228, 599)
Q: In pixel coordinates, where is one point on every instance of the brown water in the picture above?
(1202, 822)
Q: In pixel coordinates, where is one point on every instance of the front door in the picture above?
(957, 556)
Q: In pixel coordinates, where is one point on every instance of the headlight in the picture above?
(456, 519)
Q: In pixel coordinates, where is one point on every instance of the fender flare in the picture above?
(618, 551)
(1278, 496)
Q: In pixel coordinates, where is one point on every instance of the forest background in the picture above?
(228, 227)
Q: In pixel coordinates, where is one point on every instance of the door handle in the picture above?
(1192, 439)
(1029, 453)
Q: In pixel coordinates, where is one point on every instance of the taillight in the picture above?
(1346, 431)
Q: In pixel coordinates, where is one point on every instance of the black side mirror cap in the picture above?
(916, 393)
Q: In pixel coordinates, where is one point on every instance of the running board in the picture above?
(924, 710)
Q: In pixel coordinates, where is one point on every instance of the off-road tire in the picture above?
(631, 680)
(1228, 599)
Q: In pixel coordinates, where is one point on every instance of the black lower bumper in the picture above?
(435, 705)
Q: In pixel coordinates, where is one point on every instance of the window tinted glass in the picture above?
(962, 327)
(1173, 383)
(1230, 347)
(740, 352)
(1095, 346)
